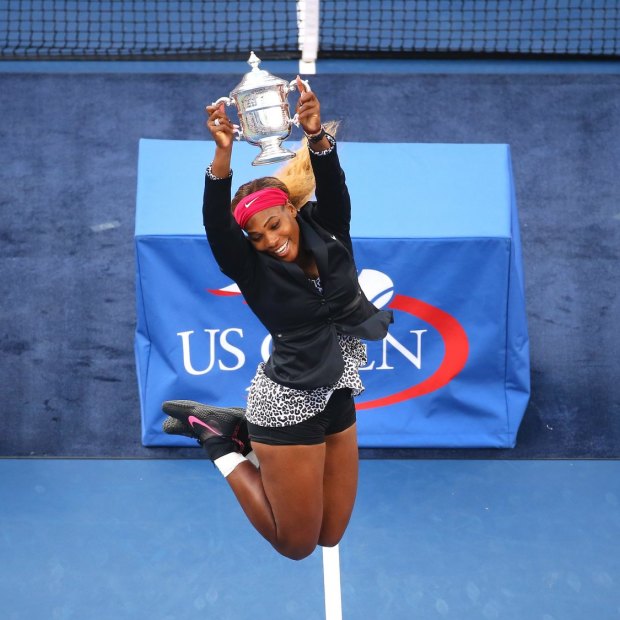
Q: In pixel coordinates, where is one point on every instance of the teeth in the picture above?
(282, 248)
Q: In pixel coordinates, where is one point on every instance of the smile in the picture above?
(283, 249)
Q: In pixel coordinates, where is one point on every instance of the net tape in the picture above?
(69, 29)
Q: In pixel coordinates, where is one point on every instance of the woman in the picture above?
(294, 265)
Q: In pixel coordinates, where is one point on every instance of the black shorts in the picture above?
(338, 415)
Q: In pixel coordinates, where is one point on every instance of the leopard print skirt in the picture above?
(271, 404)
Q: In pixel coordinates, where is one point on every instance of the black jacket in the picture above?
(303, 323)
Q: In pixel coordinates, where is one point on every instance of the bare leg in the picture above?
(339, 485)
(284, 498)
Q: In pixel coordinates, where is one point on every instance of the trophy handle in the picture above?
(227, 100)
(293, 85)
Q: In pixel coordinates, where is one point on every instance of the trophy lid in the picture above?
(257, 78)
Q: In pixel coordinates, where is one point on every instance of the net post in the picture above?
(331, 581)
(308, 25)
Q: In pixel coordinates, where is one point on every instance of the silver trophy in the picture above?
(261, 100)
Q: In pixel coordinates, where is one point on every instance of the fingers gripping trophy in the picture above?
(261, 100)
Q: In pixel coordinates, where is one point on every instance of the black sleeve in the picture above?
(231, 249)
(333, 208)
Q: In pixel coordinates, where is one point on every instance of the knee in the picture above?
(298, 551)
(330, 540)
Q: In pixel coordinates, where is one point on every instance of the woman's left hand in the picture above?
(308, 109)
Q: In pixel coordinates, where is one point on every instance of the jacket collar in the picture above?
(315, 244)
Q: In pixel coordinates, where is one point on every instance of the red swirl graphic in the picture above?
(456, 352)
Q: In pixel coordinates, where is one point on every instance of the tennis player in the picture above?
(292, 259)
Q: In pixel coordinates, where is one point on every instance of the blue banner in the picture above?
(453, 371)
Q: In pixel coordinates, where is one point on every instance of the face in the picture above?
(275, 231)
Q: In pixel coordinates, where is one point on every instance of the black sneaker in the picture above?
(219, 429)
(172, 426)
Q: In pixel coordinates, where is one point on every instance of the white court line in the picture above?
(331, 579)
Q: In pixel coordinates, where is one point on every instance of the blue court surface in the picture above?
(165, 540)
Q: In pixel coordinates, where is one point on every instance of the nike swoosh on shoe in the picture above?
(191, 420)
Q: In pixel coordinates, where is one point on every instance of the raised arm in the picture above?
(231, 249)
(223, 132)
(333, 209)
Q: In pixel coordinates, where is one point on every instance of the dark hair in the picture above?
(253, 186)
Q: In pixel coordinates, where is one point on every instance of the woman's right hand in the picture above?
(220, 126)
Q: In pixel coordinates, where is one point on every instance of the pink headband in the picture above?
(258, 201)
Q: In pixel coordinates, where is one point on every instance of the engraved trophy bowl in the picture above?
(261, 100)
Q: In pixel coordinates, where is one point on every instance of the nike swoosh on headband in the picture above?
(247, 204)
